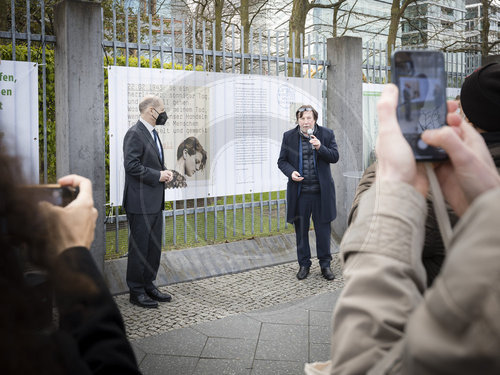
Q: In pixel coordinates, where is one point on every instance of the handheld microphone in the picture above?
(309, 133)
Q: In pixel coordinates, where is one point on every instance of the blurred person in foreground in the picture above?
(383, 323)
(306, 153)
(479, 99)
(44, 254)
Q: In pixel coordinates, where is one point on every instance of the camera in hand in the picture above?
(53, 193)
(421, 80)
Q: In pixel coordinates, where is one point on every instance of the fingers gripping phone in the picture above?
(421, 80)
(53, 193)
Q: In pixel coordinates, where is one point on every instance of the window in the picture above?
(411, 40)
(447, 11)
(447, 24)
(471, 13)
(470, 26)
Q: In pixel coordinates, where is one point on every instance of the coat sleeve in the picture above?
(383, 274)
(283, 160)
(456, 329)
(133, 152)
(89, 317)
(383, 324)
(328, 150)
(364, 184)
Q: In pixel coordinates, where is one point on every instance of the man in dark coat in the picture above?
(144, 200)
(306, 153)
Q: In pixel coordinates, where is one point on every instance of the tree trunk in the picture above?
(335, 20)
(245, 24)
(485, 29)
(297, 27)
(393, 31)
(219, 4)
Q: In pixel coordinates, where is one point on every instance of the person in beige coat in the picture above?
(383, 323)
(480, 96)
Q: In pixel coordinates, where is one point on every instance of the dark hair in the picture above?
(480, 95)
(192, 145)
(304, 108)
(27, 310)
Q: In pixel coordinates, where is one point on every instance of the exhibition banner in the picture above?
(224, 131)
(19, 114)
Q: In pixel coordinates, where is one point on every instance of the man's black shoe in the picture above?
(327, 273)
(143, 300)
(303, 272)
(158, 296)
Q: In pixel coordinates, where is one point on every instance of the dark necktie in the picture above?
(155, 134)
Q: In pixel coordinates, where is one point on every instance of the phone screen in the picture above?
(421, 80)
(52, 193)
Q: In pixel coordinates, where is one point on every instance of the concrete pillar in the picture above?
(344, 115)
(79, 90)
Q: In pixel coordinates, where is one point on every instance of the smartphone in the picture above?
(421, 80)
(53, 193)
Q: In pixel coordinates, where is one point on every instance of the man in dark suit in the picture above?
(144, 200)
(306, 153)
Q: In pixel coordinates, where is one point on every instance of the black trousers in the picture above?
(144, 251)
(307, 205)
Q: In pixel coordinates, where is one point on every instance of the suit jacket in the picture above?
(143, 193)
(288, 162)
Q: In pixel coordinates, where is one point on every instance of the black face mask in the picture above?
(162, 118)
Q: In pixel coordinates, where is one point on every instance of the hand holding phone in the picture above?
(74, 224)
(53, 193)
(421, 80)
(396, 161)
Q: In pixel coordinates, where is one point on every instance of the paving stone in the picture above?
(289, 315)
(182, 342)
(208, 366)
(282, 332)
(261, 367)
(319, 352)
(320, 318)
(323, 302)
(139, 353)
(283, 350)
(319, 334)
(239, 326)
(155, 364)
(224, 348)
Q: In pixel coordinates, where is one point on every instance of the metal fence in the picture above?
(458, 65)
(33, 36)
(182, 44)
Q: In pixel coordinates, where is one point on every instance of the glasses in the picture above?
(304, 109)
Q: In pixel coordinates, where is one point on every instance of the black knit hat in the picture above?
(480, 97)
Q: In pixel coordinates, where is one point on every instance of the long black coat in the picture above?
(288, 162)
(143, 192)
